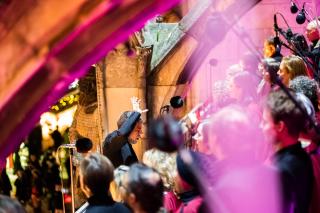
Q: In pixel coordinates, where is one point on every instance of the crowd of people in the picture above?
(256, 149)
(37, 186)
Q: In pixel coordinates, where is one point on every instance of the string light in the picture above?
(65, 103)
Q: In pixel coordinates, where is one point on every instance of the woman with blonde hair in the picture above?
(291, 66)
(165, 164)
(116, 186)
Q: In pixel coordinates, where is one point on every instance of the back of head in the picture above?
(308, 87)
(97, 172)
(9, 205)
(146, 184)
(119, 174)
(270, 41)
(271, 50)
(83, 145)
(233, 131)
(166, 134)
(283, 109)
(164, 163)
(245, 81)
(295, 66)
(119, 177)
(299, 42)
(250, 62)
(123, 117)
(185, 161)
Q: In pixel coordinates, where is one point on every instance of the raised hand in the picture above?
(135, 102)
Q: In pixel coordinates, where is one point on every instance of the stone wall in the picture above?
(121, 77)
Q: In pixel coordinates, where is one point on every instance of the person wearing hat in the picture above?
(118, 144)
(186, 186)
(96, 174)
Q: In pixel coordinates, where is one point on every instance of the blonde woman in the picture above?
(116, 186)
(165, 164)
(291, 66)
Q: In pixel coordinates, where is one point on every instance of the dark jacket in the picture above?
(5, 185)
(105, 203)
(296, 173)
(316, 56)
(116, 145)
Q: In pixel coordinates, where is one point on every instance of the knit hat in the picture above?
(185, 164)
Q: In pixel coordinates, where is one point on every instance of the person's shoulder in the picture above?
(116, 207)
(294, 160)
(120, 207)
(111, 135)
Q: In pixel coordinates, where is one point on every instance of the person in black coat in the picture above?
(23, 190)
(283, 120)
(96, 174)
(313, 35)
(5, 185)
(118, 144)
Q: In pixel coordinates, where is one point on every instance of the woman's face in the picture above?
(265, 74)
(284, 74)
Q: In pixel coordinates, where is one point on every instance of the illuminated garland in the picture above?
(65, 103)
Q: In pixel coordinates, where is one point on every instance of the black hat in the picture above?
(195, 165)
(185, 168)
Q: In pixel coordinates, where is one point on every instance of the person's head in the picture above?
(96, 174)
(119, 174)
(312, 30)
(299, 43)
(9, 205)
(282, 120)
(57, 138)
(232, 133)
(249, 62)
(269, 68)
(202, 137)
(269, 48)
(84, 145)
(242, 86)
(164, 163)
(308, 87)
(291, 66)
(144, 189)
(185, 179)
(135, 134)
